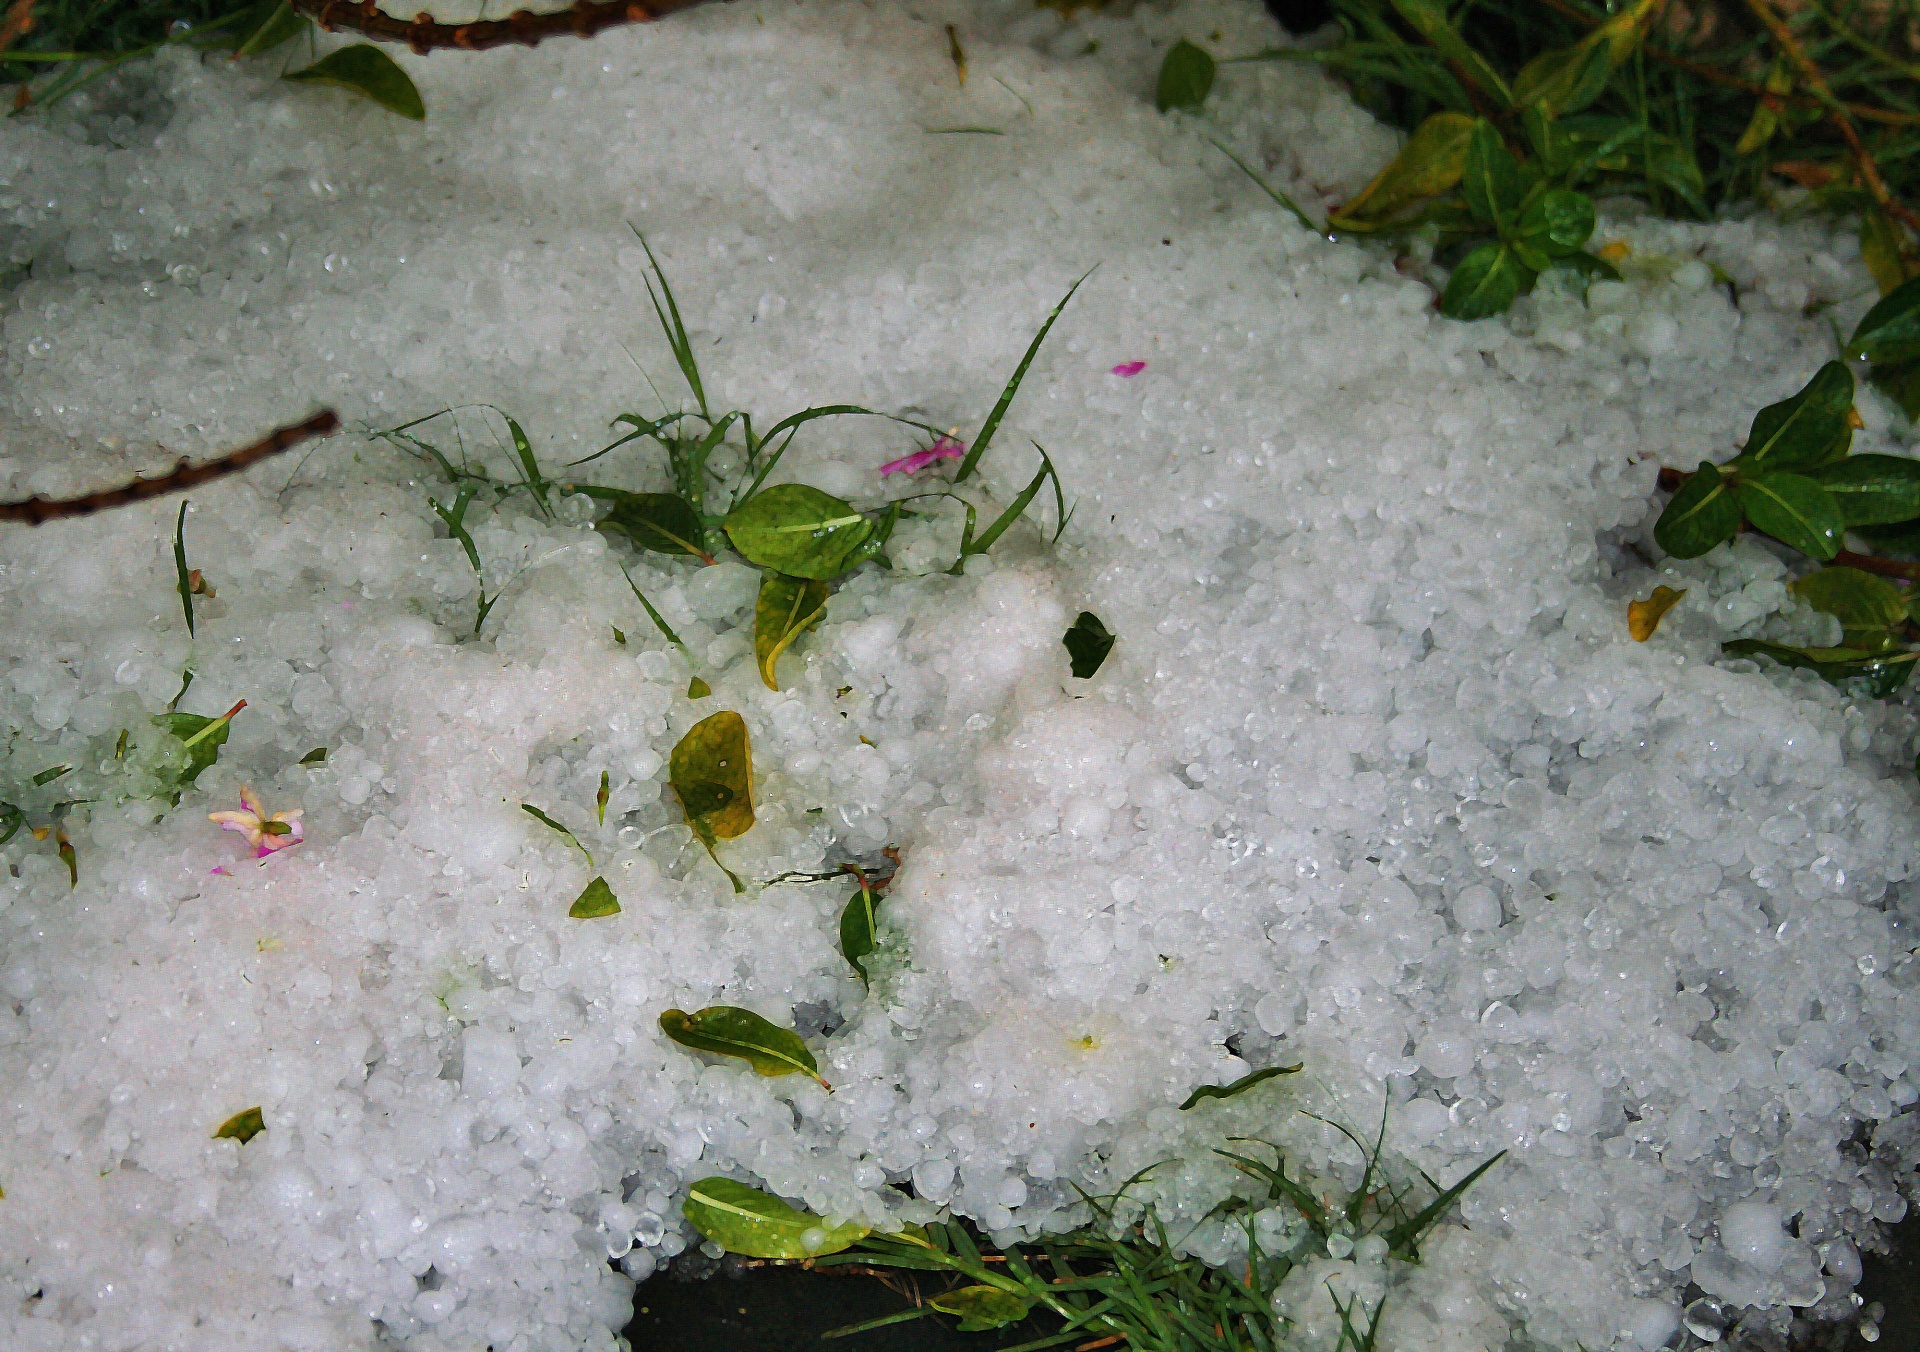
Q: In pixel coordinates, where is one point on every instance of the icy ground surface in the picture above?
(1374, 778)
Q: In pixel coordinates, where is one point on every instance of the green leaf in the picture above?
(662, 522)
(530, 474)
(1491, 181)
(594, 901)
(11, 820)
(1903, 538)
(1087, 644)
(1890, 331)
(365, 69)
(982, 1307)
(279, 23)
(1239, 1086)
(1881, 242)
(1485, 283)
(748, 1222)
(1431, 163)
(659, 621)
(1186, 78)
(204, 737)
(1872, 490)
(857, 924)
(1566, 79)
(1588, 265)
(1811, 428)
(51, 773)
(992, 424)
(571, 839)
(1869, 608)
(784, 609)
(698, 689)
(1900, 383)
(1670, 163)
(711, 772)
(1405, 1237)
(1884, 674)
(799, 531)
(1702, 514)
(1794, 510)
(969, 545)
(241, 1127)
(1429, 19)
(727, 1030)
(600, 798)
(317, 756)
(673, 326)
(1558, 222)
(185, 579)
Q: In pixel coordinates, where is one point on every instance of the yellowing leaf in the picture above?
(983, 1307)
(785, 608)
(712, 774)
(1766, 117)
(728, 1030)
(241, 1127)
(1643, 617)
(752, 1223)
(594, 901)
(1882, 250)
(1429, 164)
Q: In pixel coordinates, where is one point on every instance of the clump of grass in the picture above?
(68, 43)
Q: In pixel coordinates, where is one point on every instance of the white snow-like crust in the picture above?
(1373, 779)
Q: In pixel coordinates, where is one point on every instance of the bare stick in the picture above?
(424, 34)
(185, 475)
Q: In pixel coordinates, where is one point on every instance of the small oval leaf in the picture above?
(365, 69)
(754, 1224)
(1794, 510)
(662, 522)
(857, 923)
(799, 531)
(711, 771)
(1811, 428)
(1558, 222)
(1186, 78)
(1491, 181)
(1429, 164)
(1485, 283)
(1702, 514)
(982, 1307)
(1890, 331)
(727, 1030)
(785, 608)
(1643, 617)
(595, 901)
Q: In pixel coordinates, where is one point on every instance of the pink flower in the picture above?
(1126, 370)
(266, 834)
(943, 448)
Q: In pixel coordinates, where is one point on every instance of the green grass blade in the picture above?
(992, 424)
(1405, 1236)
(1272, 191)
(659, 621)
(673, 326)
(848, 1330)
(180, 565)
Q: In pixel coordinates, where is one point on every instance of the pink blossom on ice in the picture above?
(265, 833)
(1126, 370)
(943, 448)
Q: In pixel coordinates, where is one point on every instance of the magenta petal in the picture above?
(1128, 369)
(908, 464)
(220, 869)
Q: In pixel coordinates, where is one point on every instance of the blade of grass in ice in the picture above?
(985, 437)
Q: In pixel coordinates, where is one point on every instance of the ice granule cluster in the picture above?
(1374, 778)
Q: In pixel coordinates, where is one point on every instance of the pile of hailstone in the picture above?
(1374, 778)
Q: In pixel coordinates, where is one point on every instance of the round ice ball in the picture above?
(1751, 1233)
(1476, 908)
(1648, 1323)
(1447, 1053)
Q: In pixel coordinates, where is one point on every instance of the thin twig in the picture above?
(36, 510)
(424, 34)
(1836, 112)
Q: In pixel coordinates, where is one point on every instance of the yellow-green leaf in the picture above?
(241, 1127)
(754, 1224)
(982, 1307)
(367, 70)
(595, 901)
(698, 689)
(1429, 164)
(1883, 250)
(727, 1030)
(1643, 617)
(280, 23)
(786, 606)
(711, 771)
(1766, 117)
(799, 531)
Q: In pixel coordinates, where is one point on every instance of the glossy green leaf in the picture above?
(594, 901)
(1186, 78)
(754, 1224)
(1890, 331)
(698, 689)
(1429, 164)
(1564, 80)
(184, 579)
(367, 70)
(1558, 222)
(662, 522)
(1794, 510)
(204, 737)
(1485, 283)
(727, 1030)
(785, 608)
(1491, 181)
(711, 771)
(1872, 490)
(1884, 675)
(1429, 19)
(242, 1126)
(317, 756)
(1239, 1086)
(1866, 606)
(982, 1307)
(279, 23)
(1087, 643)
(1702, 514)
(1811, 428)
(799, 531)
(857, 923)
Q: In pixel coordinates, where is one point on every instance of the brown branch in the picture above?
(424, 34)
(36, 510)
(1873, 563)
